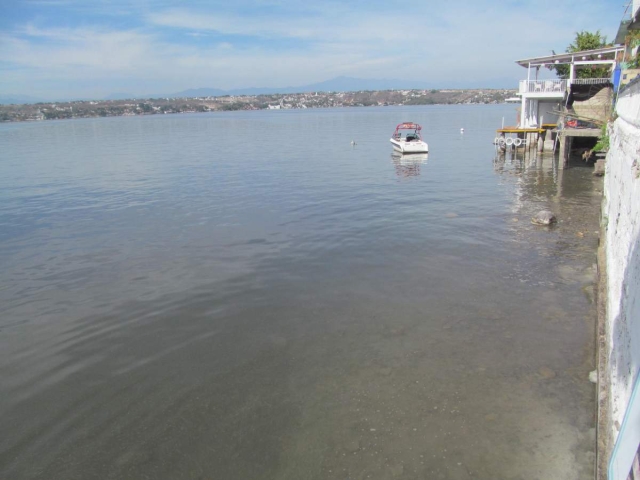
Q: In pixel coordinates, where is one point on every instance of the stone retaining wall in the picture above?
(620, 327)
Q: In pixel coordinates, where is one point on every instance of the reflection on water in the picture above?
(408, 165)
(171, 310)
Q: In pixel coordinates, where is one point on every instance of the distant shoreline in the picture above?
(159, 106)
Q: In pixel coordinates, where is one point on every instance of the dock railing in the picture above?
(543, 86)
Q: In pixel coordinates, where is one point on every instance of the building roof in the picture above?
(605, 54)
(623, 31)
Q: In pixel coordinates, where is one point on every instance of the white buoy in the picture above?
(462, 130)
(353, 142)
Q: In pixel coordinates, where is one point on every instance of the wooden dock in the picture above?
(542, 129)
(536, 136)
(527, 137)
(520, 130)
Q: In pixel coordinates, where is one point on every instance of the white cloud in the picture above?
(174, 49)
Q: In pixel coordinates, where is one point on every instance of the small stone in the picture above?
(546, 372)
(515, 219)
(579, 234)
(593, 376)
(543, 217)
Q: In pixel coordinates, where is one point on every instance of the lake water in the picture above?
(246, 295)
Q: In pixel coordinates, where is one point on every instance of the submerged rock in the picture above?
(352, 446)
(397, 470)
(543, 217)
(546, 372)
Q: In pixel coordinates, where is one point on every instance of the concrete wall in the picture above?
(628, 75)
(545, 109)
(621, 215)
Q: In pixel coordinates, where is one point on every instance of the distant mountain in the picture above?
(199, 92)
(18, 99)
(350, 84)
(338, 84)
(120, 96)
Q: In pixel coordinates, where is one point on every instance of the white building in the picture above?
(635, 15)
(540, 98)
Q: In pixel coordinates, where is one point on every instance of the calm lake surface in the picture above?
(245, 295)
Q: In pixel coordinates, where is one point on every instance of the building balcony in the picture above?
(543, 88)
(554, 88)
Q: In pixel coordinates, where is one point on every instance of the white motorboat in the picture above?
(407, 139)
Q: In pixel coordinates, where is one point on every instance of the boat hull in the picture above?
(409, 147)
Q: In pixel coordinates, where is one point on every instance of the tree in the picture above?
(632, 40)
(584, 41)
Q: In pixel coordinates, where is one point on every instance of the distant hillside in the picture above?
(338, 84)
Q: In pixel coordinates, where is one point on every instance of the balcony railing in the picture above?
(590, 81)
(543, 86)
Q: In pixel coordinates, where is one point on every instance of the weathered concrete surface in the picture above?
(597, 107)
(620, 328)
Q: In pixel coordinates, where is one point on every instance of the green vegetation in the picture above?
(56, 114)
(421, 101)
(234, 106)
(584, 41)
(603, 140)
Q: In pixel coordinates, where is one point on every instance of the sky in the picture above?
(92, 48)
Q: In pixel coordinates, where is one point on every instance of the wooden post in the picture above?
(540, 142)
(559, 175)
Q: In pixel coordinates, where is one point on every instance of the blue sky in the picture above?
(90, 48)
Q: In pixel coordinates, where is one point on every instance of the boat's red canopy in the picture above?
(408, 126)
